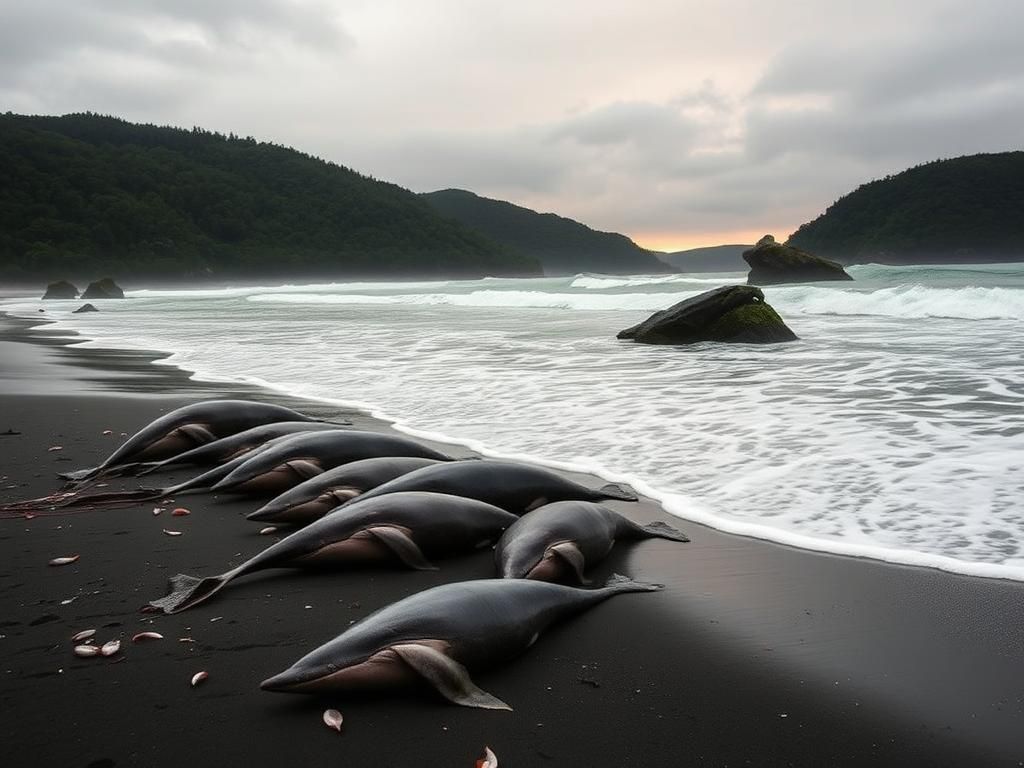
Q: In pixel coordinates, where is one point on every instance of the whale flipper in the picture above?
(450, 678)
(199, 433)
(402, 546)
(571, 554)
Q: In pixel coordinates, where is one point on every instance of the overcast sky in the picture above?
(680, 123)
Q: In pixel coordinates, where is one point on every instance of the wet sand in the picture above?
(754, 654)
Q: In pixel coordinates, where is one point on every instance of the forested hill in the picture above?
(968, 209)
(715, 258)
(85, 195)
(563, 246)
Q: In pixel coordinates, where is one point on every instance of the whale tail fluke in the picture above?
(56, 503)
(618, 492)
(617, 583)
(78, 475)
(660, 530)
(187, 591)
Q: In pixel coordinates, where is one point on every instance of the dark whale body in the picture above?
(557, 542)
(401, 528)
(509, 485)
(439, 635)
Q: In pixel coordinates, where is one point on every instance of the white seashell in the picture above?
(64, 560)
(269, 529)
(489, 760)
(198, 677)
(85, 651)
(85, 634)
(333, 719)
(111, 647)
(172, 533)
(147, 636)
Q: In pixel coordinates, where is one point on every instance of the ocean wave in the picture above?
(502, 299)
(600, 282)
(917, 273)
(904, 301)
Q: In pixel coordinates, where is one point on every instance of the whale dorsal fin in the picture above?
(405, 549)
(450, 678)
(570, 553)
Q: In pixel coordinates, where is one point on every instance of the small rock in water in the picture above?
(180, 512)
(172, 533)
(85, 651)
(147, 636)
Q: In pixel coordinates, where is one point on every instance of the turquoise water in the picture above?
(893, 429)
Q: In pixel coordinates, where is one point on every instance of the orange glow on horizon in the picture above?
(670, 242)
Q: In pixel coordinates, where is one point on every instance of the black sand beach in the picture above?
(754, 654)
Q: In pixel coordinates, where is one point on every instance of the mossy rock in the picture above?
(62, 289)
(103, 289)
(772, 262)
(731, 314)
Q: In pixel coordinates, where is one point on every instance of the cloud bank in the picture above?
(675, 122)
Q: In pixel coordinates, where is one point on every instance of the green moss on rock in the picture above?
(751, 323)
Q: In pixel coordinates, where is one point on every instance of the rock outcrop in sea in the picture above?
(103, 289)
(732, 314)
(772, 262)
(62, 289)
(85, 308)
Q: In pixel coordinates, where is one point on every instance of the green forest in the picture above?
(86, 195)
(564, 246)
(967, 209)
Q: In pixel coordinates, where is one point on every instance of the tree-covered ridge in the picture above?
(83, 195)
(965, 209)
(563, 246)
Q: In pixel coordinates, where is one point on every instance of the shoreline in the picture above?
(678, 506)
(755, 651)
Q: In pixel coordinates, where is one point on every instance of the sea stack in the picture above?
(62, 289)
(731, 314)
(771, 262)
(103, 289)
(85, 308)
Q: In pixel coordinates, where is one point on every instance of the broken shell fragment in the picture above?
(147, 636)
(85, 634)
(64, 560)
(108, 431)
(198, 677)
(172, 533)
(85, 651)
(269, 529)
(111, 647)
(157, 511)
(180, 512)
(55, 448)
(333, 719)
(489, 760)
